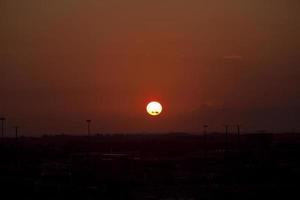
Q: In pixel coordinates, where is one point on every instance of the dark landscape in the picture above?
(168, 166)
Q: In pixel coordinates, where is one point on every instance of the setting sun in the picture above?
(154, 108)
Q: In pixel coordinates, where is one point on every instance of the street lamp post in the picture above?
(89, 126)
(205, 133)
(238, 134)
(205, 130)
(2, 126)
(205, 139)
(226, 136)
(16, 129)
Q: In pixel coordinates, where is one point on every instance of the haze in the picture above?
(208, 62)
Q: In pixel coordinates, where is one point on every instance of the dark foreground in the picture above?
(141, 167)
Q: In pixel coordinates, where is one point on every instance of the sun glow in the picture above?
(154, 108)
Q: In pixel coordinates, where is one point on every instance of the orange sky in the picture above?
(215, 62)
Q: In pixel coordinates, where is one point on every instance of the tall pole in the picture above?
(205, 139)
(88, 132)
(17, 146)
(2, 126)
(205, 130)
(238, 133)
(226, 130)
(16, 129)
(89, 126)
(205, 133)
(226, 136)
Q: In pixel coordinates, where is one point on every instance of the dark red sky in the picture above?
(207, 61)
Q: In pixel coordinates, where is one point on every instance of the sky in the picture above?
(207, 61)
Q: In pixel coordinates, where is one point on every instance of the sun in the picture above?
(154, 108)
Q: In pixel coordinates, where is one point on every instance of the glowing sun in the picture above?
(154, 108)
